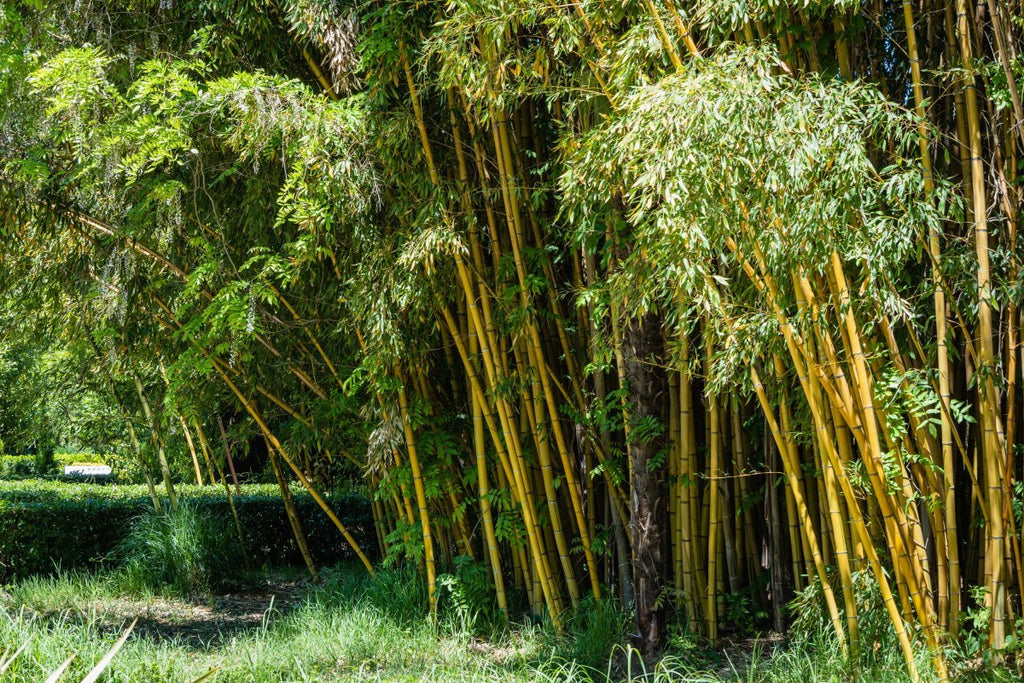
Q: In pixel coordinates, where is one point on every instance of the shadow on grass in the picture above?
(197, 623)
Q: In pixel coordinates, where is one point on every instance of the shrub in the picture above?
(18, 466)
(47, 524)
(61, 460)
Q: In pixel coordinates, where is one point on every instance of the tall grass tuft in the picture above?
(184, 551)
(593, 630)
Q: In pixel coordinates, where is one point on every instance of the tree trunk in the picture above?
(780, 564)
(643, 351)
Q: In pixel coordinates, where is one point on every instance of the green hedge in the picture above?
(60, 460)
(30, 466)
(48, 524)
(18, 466)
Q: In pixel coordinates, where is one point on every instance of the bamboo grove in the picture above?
(689, 305)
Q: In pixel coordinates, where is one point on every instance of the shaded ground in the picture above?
(197, 623)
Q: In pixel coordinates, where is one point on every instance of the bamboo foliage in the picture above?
(659, 300)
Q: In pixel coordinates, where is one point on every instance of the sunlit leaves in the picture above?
(731, 162)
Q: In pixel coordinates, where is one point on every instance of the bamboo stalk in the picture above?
(711, 607)
(165, 469)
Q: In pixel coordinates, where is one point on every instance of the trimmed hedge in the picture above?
(18, 466)
(61, 460)
(47, 524)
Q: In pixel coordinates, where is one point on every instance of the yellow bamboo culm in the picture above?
(711, 608)
(421, 496)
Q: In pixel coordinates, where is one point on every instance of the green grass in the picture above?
(184, 550)
(353, 628)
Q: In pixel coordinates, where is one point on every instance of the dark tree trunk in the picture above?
(780, 562)
(643, 355)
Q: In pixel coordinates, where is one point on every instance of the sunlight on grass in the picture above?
(352, 628)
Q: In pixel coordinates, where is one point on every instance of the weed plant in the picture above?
(593, 631)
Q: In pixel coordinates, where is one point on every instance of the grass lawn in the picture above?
(280, 627)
